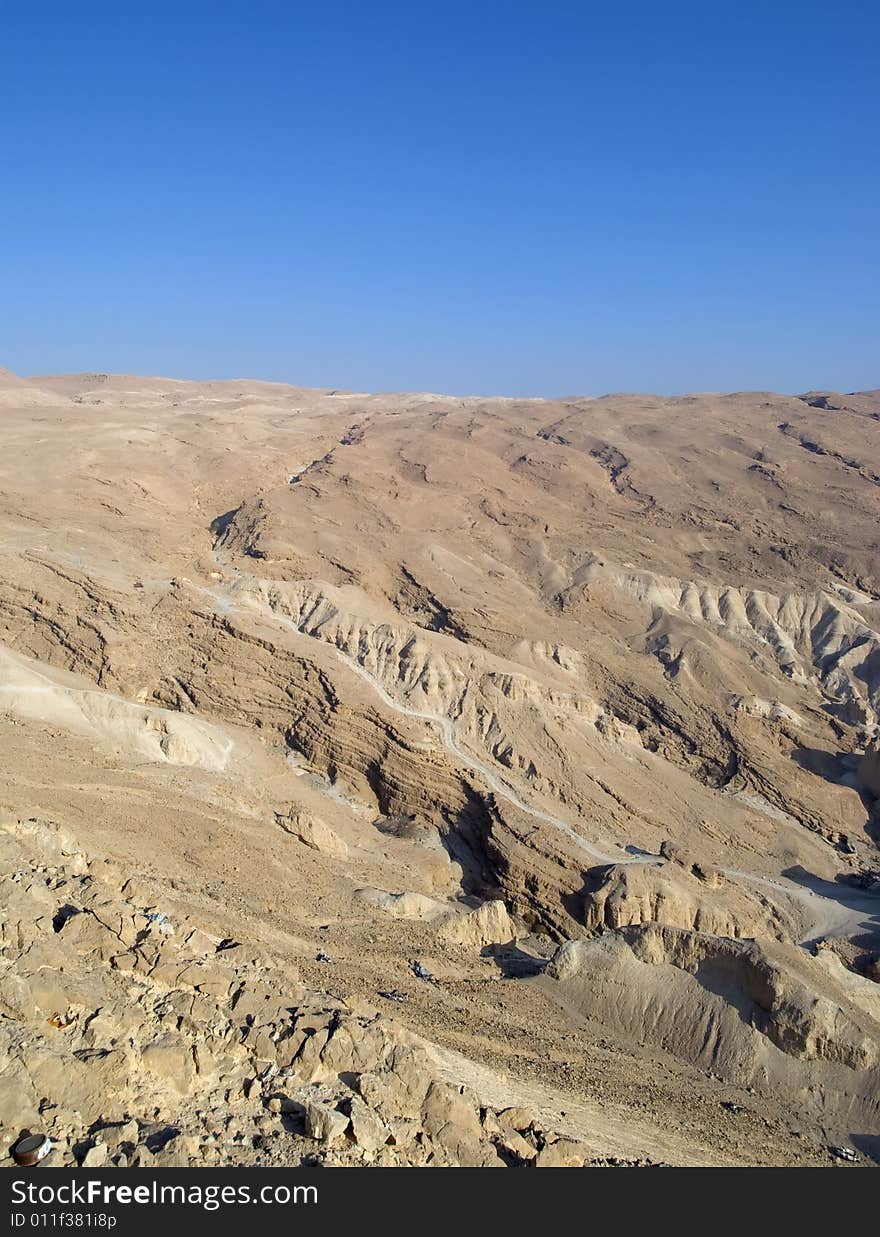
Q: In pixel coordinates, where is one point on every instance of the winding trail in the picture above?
(444, 725)
(830, 916)
(499, 787)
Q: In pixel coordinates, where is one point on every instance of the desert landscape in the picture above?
(408, 779)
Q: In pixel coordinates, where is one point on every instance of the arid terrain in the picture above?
(409, 779)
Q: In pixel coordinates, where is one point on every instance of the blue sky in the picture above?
(519, 198)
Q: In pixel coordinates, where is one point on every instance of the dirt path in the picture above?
(831, 916)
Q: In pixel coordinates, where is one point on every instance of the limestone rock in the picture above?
(96, 1156)
(564, 1153)
(398, 1088)
(449, 1115)
(323, 1123)
(517, 1119)
(368, 1131)
(406, 905)
(314, 833)
(308, 1063)
(489, 924)
(118, 1135)
(517, 1146)
(170, 1060)
(681, 894)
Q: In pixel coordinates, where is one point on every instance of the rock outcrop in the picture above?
(682, 894)
(315, 833)
(770, 1014)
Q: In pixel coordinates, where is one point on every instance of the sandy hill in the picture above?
(531, 741)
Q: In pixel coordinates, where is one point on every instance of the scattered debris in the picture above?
(421, 972)
(394, 995)
(320, 956)
(30, 1149)
(845, 1153)
(159, 920)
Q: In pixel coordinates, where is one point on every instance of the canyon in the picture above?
(415, 779)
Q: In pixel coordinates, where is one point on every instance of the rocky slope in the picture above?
(386, 680)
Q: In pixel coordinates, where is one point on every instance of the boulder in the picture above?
(314, 833)
(449, 1114)
(323, 1123)
(564, 1153)
(367, 1130)
(170, 1060)
(516, 1146)
(517, 1119)
(96, 1156)
(405, 905)
(353, 1047)
(489, 924)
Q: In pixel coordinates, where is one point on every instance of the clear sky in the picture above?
(492, 196)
